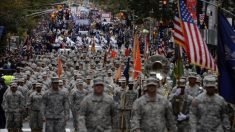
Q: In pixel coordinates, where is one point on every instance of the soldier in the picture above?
(34, 105)
(192, 88)
(77, 95)
(180, 104)
(97, 110)
(55, 108)
(152, 112)
(13, 105)
(62, 87)
(208, 110)
(127, 100)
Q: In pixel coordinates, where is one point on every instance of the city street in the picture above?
(117, 66)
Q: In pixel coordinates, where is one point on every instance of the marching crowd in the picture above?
(50, 86)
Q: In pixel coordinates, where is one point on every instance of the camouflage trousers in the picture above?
(121, 122)
(36, 121)
(55, 125)
(75, 120)
(14, 120)
(183, 126)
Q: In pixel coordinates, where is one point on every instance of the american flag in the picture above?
(161, 48)
(186, 34)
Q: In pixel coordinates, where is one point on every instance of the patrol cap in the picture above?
(38, 85)
(110, 71)
(13, 84)
(131, 81)
(122, 79)
(98, 81)
(192, 75)
(182, 82)
(210, 81)
(88, 78)
(21, 80)
(34, 82)
(199, 79)
(152, 81)
(79, 81)
(55, 79)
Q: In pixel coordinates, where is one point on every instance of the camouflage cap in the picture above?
(13, 84)
(38, 85)
(210, 81)
(98, 81)
(192, 75)
(152, 81)
(55, 79)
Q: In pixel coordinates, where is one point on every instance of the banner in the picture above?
(226, 60)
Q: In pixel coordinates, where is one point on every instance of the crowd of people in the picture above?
(89, 84)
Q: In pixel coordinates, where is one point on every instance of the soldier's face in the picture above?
(99, 89)
(38, 89)
(13, 89)
(55, 85)
(192, 80)
(152, 88)
(210, 91)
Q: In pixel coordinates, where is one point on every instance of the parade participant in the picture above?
(97, 110)
(62, 87)
(152, 112)
(127, 100)
(208, 111)
(13, 105)
(34, 104)
(88, 84)
(46, 81)
(55, 108)
(192, 88)
(76, 97)
(3, 89)
(180, 105)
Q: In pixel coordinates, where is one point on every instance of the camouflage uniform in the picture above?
(127, 100)
(76, 98)
(55, 108)
(208, 114)
(152, 116)
(34, 104)
(181, 105)
(96, 113)
(193, 91)
(13, 105)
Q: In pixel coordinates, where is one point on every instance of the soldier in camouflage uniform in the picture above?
(55, 108)
(208, 112)
(13, 105)
(97, 110)
(34, 105)
(181, 104)
(192, 88)
(77, 95)
(127, 100)
(152, 112)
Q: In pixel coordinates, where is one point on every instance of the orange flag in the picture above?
(59, 67)
(135, 45)
(118, 74)
(137, 61)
